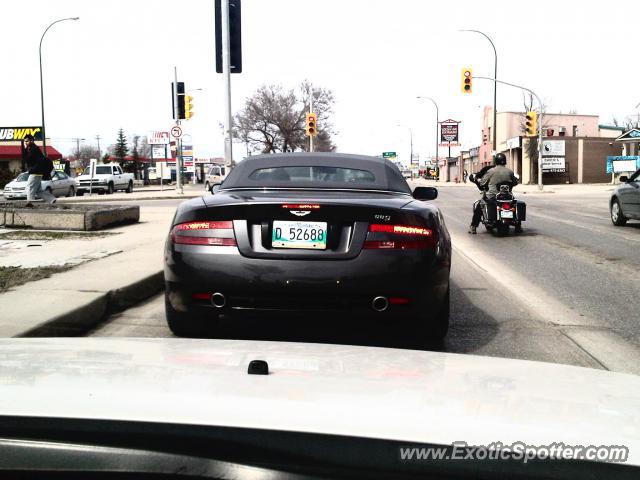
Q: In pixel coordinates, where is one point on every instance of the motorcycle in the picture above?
(504, 211)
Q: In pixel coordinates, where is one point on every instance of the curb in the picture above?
(81, 319)
(130, 199)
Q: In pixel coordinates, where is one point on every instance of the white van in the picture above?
(216, 174)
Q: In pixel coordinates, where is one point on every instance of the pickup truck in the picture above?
(107, 179)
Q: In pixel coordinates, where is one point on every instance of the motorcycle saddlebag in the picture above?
(521, 210)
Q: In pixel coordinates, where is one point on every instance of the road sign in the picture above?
(389, 155)
(158, 138)
(176, 131)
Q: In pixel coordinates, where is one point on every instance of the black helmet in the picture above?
(500, 159)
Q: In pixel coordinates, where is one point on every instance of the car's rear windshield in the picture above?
(296, 171)
(313, 174)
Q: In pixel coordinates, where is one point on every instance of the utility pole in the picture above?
(311, 111)
(226, 63)
(99, 152)
(78, 140)
(178, 141)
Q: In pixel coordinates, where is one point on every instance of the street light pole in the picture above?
(540, 186)
(226, 65)
(437, 125)
(495, 87)
(44, 133)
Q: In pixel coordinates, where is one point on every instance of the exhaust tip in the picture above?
(218, 300)
(380, 304)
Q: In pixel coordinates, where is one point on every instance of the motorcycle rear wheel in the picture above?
(503, 230)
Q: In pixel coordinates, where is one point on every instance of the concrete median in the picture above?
(67, 217)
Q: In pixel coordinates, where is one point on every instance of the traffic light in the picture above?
(235, 35)
(467, 81)
(188, 107)
(180, 95)
(531, 124)
(312, 124)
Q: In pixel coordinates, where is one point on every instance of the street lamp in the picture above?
(411, 142)
(44, 133)
(437, 123)
(495, 86)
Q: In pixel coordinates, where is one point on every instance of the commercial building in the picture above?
(11, 151)
(575, 147)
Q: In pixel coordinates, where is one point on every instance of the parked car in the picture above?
(107, 179)
(625, 200)
(216, 174)
(60, 185)
(311, 234)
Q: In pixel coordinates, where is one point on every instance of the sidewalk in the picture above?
(143, 193)
(113, 272)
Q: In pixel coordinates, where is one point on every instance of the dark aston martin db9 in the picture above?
(320, 233)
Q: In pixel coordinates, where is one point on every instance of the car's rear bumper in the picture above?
(418, 278)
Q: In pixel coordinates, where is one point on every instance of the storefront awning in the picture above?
(14, 152)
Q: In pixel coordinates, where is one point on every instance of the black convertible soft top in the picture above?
(385, 176)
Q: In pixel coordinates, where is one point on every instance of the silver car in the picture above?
(625, 200)
(60, 185)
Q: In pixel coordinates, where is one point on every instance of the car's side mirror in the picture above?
(623, 179)
(215, 187)
(425, 193)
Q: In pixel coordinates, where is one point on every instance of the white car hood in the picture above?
(383, 393)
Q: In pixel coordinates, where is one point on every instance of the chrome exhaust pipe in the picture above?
(218, 300)
(380, 304)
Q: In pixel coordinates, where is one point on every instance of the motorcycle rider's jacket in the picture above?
(497, 175)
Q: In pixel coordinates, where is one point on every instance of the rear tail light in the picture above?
(401, 237)
(217, 233)
(506, 206)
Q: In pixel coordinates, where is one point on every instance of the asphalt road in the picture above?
(564, 291)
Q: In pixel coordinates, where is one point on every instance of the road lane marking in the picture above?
(605, 231)
(605, 346)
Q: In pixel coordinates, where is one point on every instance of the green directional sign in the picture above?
(389, 155)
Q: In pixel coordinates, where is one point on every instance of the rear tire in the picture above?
(207, 187)
(617, 218)
(71, 192)
(183, 324)
(503, 229)
(433, 330)
(440, 327)
(110, 189)
(129, 188)
(79, 193)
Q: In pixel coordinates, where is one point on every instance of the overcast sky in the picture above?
(113, 67)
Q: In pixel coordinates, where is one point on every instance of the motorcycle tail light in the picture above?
(506, 206)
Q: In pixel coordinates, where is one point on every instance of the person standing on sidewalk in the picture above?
(39, 168)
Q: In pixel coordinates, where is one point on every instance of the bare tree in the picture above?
(86, 153)
(273, 119)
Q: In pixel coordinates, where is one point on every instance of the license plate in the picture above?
(311, 235)
(506, 214)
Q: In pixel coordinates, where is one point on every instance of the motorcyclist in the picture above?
(489, 182)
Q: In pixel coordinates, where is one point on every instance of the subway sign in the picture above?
(16, 134)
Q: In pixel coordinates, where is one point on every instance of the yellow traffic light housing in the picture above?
(466, 81)
(312, 125)
(531, 124)
(188, 107)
